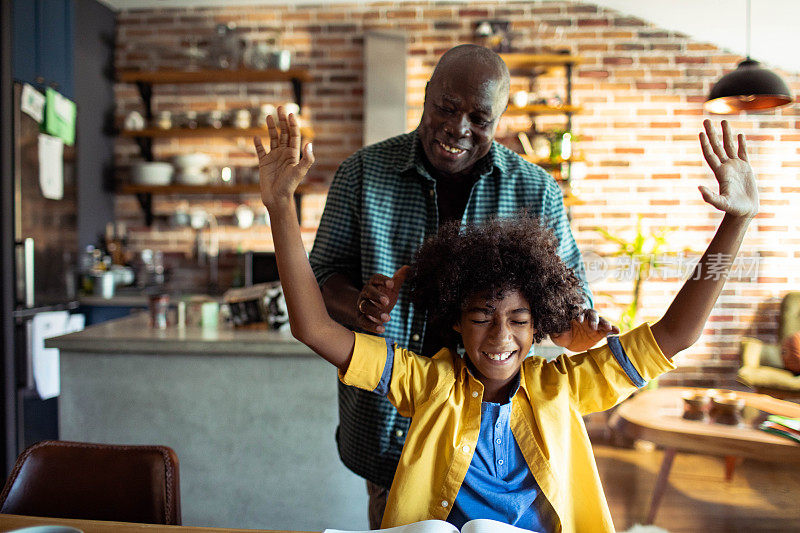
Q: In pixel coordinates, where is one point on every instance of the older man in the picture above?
(387, 198)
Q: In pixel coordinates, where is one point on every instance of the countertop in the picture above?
(133, 335)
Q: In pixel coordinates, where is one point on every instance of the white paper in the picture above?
(51, 166)
(46, 360)
(32, 103)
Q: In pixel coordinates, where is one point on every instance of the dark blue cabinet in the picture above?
(43, 44)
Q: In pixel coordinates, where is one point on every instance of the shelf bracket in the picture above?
(146, 202)
(146, 147)
(146, 92)
(297, 87)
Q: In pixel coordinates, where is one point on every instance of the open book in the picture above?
(479, 525)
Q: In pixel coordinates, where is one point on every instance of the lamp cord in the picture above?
(747, 33)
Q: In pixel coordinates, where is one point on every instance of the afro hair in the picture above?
(460, 262)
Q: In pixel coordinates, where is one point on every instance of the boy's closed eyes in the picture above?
(497, 334)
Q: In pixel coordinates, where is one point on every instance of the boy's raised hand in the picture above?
(279, 165)
(738, 192)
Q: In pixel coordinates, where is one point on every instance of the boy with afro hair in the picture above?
(494, 433)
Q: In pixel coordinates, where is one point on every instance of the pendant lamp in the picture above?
(750, 87)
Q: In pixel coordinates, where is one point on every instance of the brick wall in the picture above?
(641, 88)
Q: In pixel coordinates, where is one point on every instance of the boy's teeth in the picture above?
(502, 356)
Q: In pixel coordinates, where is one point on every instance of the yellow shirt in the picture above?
(444, 403)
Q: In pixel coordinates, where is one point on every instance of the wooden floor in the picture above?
(761, 497)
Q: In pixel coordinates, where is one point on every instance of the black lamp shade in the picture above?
(749, 87)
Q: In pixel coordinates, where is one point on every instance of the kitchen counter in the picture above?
(251, 415)
(133, 334)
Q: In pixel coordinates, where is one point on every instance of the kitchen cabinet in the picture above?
(145, 82)
(532, 67)
(43, 44)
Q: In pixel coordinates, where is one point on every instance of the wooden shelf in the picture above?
(548, 162)
(571, 200)
(155, 133)
(237, 188)
(542, 110)
(210, 76)
(516, 61)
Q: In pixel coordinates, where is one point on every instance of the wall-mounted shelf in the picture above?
(542, 110)
(236, 188)
(155, 133)
(517, 61)
(533, 66)
(145, 193)
(145, 80)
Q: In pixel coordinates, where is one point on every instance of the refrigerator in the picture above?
(44, 266)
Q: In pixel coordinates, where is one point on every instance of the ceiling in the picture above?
(775, 39)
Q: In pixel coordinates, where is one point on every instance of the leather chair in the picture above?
(762, 366)
(61, 479)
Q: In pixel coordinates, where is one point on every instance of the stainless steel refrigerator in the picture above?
(45, 256)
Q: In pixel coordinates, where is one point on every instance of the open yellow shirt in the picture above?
(444, 403)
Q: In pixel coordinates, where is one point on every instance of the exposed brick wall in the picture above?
(641, 88)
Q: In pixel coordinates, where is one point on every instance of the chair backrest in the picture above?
(789, 322)
(61, 479)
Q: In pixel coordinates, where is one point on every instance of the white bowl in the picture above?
(152, 173)
(193, 161)
(192, 178)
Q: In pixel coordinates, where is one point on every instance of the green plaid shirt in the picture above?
(380, 208)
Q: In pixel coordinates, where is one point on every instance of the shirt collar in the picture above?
(414, 161)
(467, 370)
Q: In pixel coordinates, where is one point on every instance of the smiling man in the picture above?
(386, 199)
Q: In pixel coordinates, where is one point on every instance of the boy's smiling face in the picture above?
(497, 332)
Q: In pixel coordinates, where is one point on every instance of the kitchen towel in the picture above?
(45, 361)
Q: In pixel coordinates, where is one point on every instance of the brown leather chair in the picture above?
(61, 479)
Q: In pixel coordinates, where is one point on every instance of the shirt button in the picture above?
(475, 394)
(500, 462)
(444, 503)
(431, 193)
(498, 441)
(399, 432)
(465, 449)
(415, 337)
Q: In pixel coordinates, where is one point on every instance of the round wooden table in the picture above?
(656, 416)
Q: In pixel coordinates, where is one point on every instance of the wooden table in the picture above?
(9, 522)
(656, 416)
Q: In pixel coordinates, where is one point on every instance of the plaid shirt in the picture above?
(380, 208)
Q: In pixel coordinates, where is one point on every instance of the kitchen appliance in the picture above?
(258, 267)
(44, 273)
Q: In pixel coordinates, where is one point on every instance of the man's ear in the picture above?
(457, 327)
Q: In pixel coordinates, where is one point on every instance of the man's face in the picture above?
(460, 118)
(497, 333)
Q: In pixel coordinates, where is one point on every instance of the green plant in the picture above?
(642, 252)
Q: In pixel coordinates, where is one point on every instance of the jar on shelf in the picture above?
(213, 119)
(226, 48)
(241, 119)
(163, 120)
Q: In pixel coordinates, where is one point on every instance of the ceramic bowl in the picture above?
(191, 161)
(152, 173)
